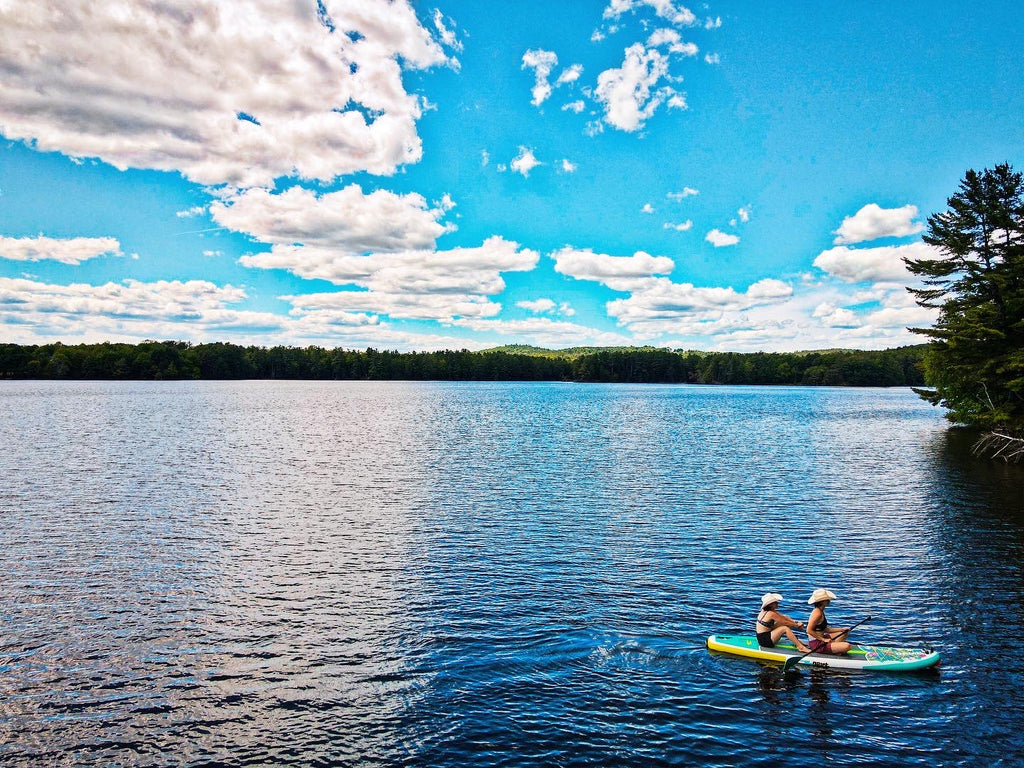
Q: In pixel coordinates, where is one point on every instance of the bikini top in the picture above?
(770, 624)
(821, 625)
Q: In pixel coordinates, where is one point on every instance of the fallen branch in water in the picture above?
(998, 445)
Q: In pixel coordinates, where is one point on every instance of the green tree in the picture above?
(975, 362)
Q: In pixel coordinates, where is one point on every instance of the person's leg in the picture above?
(778, 632)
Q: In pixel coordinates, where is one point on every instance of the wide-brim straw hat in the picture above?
(771, 597)
(821, 594)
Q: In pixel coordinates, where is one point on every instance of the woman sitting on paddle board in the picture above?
(772, 625)
(818, 630)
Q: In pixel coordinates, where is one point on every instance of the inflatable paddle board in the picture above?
(874, 658)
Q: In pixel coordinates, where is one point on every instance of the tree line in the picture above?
(182, 360)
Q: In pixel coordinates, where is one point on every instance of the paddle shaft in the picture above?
(794, 660)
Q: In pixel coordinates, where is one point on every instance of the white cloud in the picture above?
(666, 9)
(620, 273)
(565, 309)
(446, 33)
(837, 317)
(570, 74)
(544, 331)
(721, 239)
(872, 222)
(194, 310)
(679, 196)
(407, 284)
(69, 251)
(627, 93)
(677, 101)
(541, 62)
(714, 23)
(744, 214)
(348, 220)
(485, 158)
(568, 167)
(196, 210)
(227, 93)
(405, 306)
(525, 162)
(682, 227)
(672, 39)
(539, 306)
(713, 58)
(661, 306)
(574, 106)
(883, 264)
(648, 208)
(126, 305)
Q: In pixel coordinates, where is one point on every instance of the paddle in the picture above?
(792, 661)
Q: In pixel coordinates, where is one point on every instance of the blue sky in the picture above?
(467, 174)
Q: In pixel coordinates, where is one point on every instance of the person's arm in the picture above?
(789, 622)
(812, 621)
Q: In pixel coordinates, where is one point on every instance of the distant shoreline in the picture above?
(178, 360)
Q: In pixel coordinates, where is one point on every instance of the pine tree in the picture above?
(975, 362)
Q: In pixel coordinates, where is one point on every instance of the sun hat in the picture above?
(771, 597)
(821, 594)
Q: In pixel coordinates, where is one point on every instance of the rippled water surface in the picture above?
(493, 574)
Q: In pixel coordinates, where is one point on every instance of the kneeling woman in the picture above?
(818, 630)
(772, 625)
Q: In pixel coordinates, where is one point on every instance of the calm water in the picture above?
(492, 574)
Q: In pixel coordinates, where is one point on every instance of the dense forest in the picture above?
(182, 360)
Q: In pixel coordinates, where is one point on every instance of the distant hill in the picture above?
(570, 353)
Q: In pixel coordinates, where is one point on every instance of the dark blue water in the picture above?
(493, 574)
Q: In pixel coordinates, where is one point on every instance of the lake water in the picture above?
(477, 574)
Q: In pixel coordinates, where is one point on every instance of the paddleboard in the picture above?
(874, 658)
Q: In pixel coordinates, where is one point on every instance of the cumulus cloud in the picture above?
(568, 167)
(525, 162)
(666, 9)
(672, 40)
(544, 331)
(872, 222)
(537, 307)
(574, 106)
(234, 93)
(744, 214)
(661, 306)
(68, 251)
(628, 94)
(621, 273)
(679, 227)
(884, 264)
(682, 195)
(130, 306)
(648, 208)
(837, 317)
(712, 58)
(347, 220)
(721, 239)
(541, 62)
(570, 74)
(408, 284)
(195, 310)
(446, 31)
